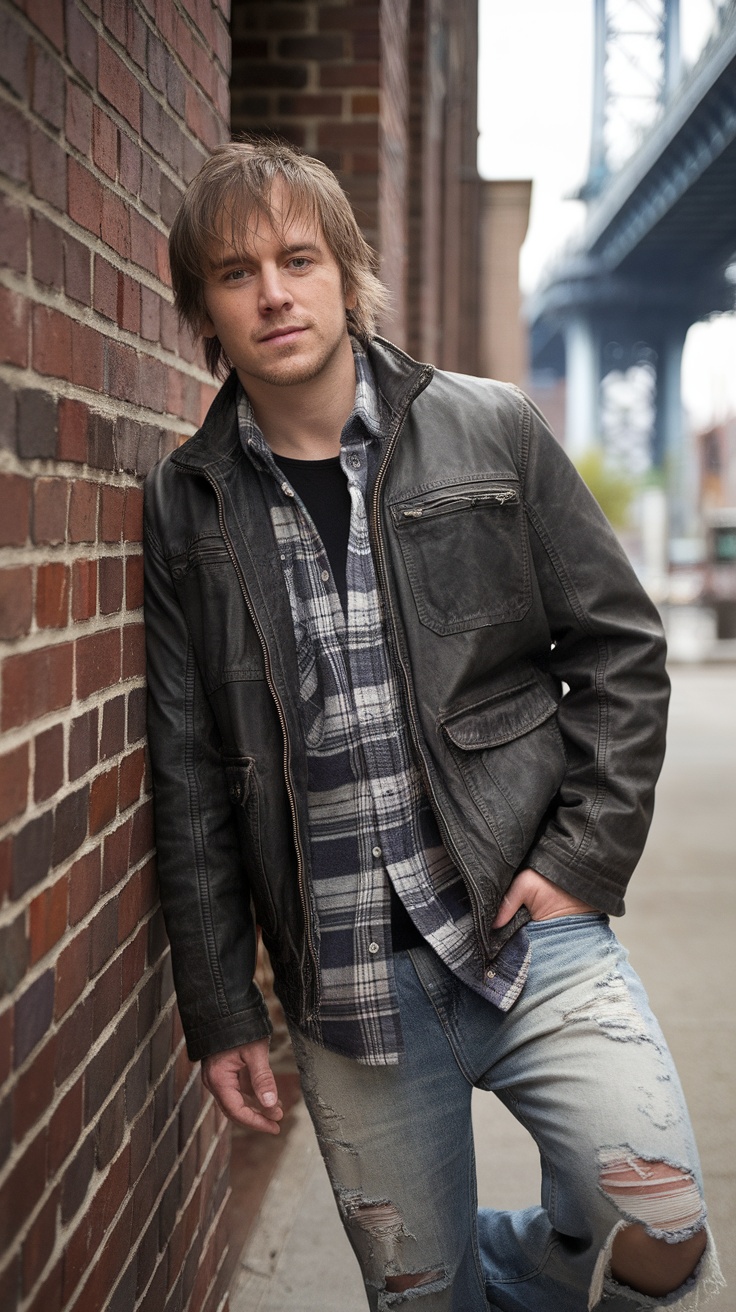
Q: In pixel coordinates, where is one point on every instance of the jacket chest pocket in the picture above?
(466, 555)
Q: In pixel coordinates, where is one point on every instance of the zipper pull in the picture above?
(508, 494)
(413, 514)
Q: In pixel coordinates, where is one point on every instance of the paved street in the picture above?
(680, 929)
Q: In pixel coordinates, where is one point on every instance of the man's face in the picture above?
(277, 303)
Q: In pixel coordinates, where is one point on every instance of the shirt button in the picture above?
(286, 490)
(377, 851)
(490, 974)
(355, 462)
(373, 948)
(325, 575)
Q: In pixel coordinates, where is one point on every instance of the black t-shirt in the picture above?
(323, 488)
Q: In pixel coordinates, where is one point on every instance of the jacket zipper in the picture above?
(413, 726)
(284, 729)
(460, 501)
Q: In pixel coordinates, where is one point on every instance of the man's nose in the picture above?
(274, 293)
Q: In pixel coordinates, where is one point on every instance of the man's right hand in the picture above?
(242, 1084)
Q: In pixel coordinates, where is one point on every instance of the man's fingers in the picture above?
(261, 1076)
(509, 906)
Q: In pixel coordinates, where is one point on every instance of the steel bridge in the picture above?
(658, 247)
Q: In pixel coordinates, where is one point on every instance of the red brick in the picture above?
(87, 357)
(50, 497)
(77, 279)
(129, 304)
(97, 662)
(48, 169)
(34, 1090)
(85, 197)
(118, 85)
(123, 372)
(15, 319)
(350, 75)
(103, 800)
(13, 143)
(52, 595)
(105, 293)
(84, 589)
(72, 432)
(115, 224)
(47, 918)
(72, 970)
(13, 236)
(134, 651)
(106, 996)
(134, 582)
(47, 89)
(104, 143)
(81, 40)
(15, 509)
(133, 518)
(142, 242)
(47, 252)
(65, 1126)
(365, 103)
(347, 136)
(84, 885)
(150, 315)
(83, 512)
(52, 342)
(111, 584)
(22, 1189)
(130, 165)
(131, 777)
(79, 119)
(48, 772)
(14, 768)
(112, 512)
(35, 682)
(48, 17)
(39, 1242)
(112, 738)
(16, 601)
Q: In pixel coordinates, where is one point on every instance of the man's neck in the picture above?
(305, 420)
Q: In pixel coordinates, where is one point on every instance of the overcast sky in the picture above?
(534, 115)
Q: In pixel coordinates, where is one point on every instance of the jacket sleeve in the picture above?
(609, 649)
(204, 891)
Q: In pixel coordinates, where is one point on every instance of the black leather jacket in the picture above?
(501, 583)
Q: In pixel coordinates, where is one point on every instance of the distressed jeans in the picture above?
(581, 1062)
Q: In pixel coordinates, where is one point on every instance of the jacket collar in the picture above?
(217, 442)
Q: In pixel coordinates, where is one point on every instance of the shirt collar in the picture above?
(367, 408)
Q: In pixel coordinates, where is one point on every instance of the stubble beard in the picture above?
(289, 372)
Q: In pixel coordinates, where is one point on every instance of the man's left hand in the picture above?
(540, 896)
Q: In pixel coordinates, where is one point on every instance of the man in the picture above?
(368, 585)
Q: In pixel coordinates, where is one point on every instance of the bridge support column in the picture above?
(670, 454)
(582, 351)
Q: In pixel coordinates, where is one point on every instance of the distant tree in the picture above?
(612, 489)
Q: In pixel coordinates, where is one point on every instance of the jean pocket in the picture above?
(573, 921)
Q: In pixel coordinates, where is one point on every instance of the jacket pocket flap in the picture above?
(501, 718)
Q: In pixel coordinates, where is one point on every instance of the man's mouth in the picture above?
(288, 333)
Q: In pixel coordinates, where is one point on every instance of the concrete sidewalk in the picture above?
(297, 1258)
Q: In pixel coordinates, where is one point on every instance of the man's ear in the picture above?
(351, 298)
(206, 327)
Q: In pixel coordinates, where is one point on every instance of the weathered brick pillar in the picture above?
(112, 1162)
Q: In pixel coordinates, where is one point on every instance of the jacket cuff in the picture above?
(602, 891)
(227, 1032)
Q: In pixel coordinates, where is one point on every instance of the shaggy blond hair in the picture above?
(231, 192)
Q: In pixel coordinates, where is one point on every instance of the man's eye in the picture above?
(300, 262)
(234, 275)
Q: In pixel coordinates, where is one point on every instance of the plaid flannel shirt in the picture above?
(369, 818)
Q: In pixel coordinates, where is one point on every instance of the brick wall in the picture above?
(112, 1162)
(384, 91)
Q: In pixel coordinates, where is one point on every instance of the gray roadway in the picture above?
(681, 931)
